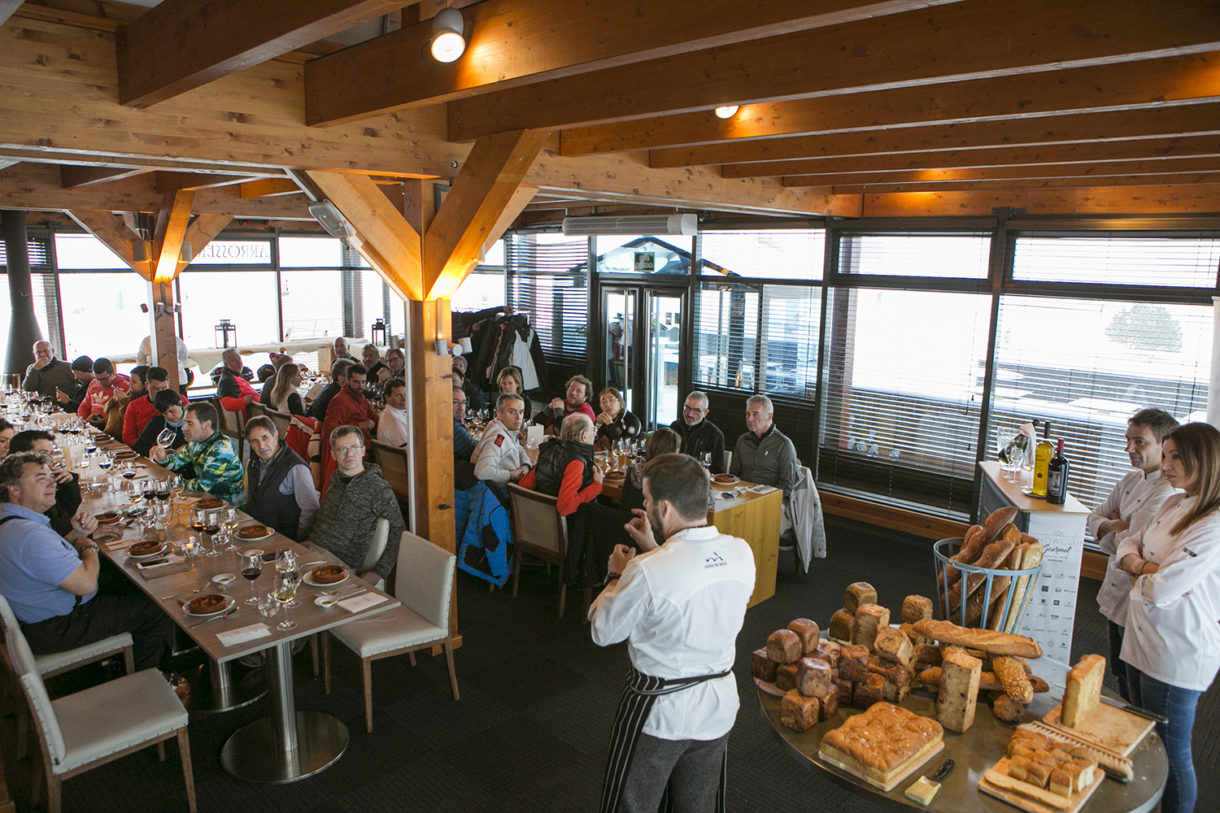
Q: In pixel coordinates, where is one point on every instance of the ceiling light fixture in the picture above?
(726, 111)
(447, 41)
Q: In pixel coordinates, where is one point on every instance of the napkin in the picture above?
(361, 602)
(241, 635)
(761, 489)
(533, 435)
(125, 541)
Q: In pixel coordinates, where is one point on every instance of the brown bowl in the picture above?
(252, 532)
(147, 548)
(725, 480)
(209, 603)
(208, 503)
(329, 574)
(106, 517)
(128, 455)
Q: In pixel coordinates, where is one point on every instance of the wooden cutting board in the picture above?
(902, 772)
(1108, 726)
(996, 782)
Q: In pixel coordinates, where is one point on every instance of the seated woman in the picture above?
(565, 466)
(170, 415)
(509, 380)
(614, 422)
(7, 430)
(285, 393)
(663, 441)
(1171, 645)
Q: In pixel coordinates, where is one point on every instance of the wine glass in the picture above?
(286, 564)
(230, 523)
(286, 585)
(251, 567)
(165, 437)
(211, 524)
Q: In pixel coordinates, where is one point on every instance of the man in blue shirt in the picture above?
(51, 582)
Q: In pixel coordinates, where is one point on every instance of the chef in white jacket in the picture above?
(1172, 641)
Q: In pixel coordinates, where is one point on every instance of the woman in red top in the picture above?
(565, 466)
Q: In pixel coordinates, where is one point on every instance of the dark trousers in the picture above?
(1177, 704)
(691, 771)
(152, 632)
(1117, 667)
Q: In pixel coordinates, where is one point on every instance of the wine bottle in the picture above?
(1042, 461)
(1057, 477)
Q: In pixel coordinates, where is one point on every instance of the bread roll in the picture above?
(761, 666)
(869, 692)
(1007, 709)
(807, 631)
(916, 608)
(870, 618)
(893, 645)
(842, 624)
(785, 677)
(813, 678)
(798, 712)
(857, 594)
(827, 651)
(784, 646)
(853, 663)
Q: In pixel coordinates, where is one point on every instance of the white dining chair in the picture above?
(424, 585)
(59, 662)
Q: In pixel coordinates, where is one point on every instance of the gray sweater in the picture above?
(348, 513)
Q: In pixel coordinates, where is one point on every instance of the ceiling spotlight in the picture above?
(447, 40)
(726, 111)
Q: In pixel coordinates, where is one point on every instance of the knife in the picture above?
(1136, 710)
(225, 614)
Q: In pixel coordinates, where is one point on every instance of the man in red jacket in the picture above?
(101, 389)
(142, 410)
(235, 392)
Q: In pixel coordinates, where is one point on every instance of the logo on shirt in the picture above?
(499, 441)
(715, 560)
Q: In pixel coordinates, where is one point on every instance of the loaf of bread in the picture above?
(894, 646)
(990, 641)
(853, 663)
(895, 691)
(883, 741)
(813, 678)
(927, 654)
(761, 666)
(842, 623)
(829, 704)
(1007, 709)
(784, 646)
(785, 677)
(827, 651)
(993, 526)
(958, 692)
(798, 712)
(1012, 676)
(869, 692)
(1031, 557)
(916, 608)
(858, 594)
(870, 618)
(1083, 691)
(808, 632)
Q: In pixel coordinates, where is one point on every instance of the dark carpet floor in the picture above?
(531, 729)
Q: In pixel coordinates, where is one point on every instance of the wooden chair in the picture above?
(393, 462)
(281, 420)
(98, 725)
(539, 531)
(233, 425)
(424, 585)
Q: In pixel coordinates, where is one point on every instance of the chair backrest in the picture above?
(22, 660)
(7, 616)
(425, 578)
(536, 520)
(231, 423)
(255, 409)
(393, 462)
(282, 420)
(381, 536)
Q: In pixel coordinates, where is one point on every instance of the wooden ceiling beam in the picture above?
(975, 39)
(1091, 182)
(932, 177)
(475, 203)
(510, 43)
(1142, 84)
(269, 187)
(383, 235)
(172, 221)
(203, 230)
(74, 176)
(1120, 125)
(112, 231)
(1207, 145)
(182, 44)
(1202, 199)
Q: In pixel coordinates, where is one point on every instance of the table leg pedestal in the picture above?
(290, 744)
(219, 692)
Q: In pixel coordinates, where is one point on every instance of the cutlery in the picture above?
(225, 614)
(343, 594)
(1136, 710)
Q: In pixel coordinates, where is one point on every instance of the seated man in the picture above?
(338, 380)
(765, 455)
(392, 426)
(349, 407)
(47, 373)
(70, 397)
(565, 466)
(209, 453)
(395, 363)
(575, 399)
(279, 487)
(463, 444)
(357, 497)
(370, 359)
(142, 410)
(499, 458)
(101, 389)
(475, 398)
(339, 348)
(699, 435)
(233, 389)
(170, 414)
(52, 583)
(67, 483)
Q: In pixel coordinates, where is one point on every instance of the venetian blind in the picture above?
(548, 278)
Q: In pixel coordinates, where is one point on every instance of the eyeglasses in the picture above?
(349, 449)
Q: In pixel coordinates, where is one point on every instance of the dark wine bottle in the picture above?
(1057, 477)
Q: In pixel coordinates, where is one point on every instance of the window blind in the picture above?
(312, 302)
(726, 335)
(915, 254)
(1180, 262)
(548, 277)
(789, 254)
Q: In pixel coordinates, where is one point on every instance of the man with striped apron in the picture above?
(679, 607)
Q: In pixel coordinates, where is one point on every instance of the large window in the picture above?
(548, 279)
(246, 298)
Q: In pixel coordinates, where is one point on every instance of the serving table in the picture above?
(974, 753)
(288, 744)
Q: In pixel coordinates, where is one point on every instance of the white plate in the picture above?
(326, 601)
(308, 579)
(252, 552)
(223, 608)
(148, 555)
(224, 578)
(267, 535)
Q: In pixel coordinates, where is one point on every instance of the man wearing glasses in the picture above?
(357, 497)
(700, 436)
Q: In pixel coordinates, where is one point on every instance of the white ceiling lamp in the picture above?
(726, 111)
(447, 41)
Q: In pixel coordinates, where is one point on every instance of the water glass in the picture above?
(267, 605)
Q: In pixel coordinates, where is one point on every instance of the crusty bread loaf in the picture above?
(971, 547)
(869, 692)
(916, 608)
(893, 645)
(785, 677)
(870, 619)
(958, 692)
(853, 663)
(895, 691)
(927, 654)
(990, 641)
(988, 682)
(829, 704)
(1083, 691)
(858, 594)
(1012, 676)
(761, 666)
(993, 526)
(808, 632)
(1031, 557)
(798, 712)
(784, 646)
(842, 623)
(813, 678)
(1007, 709)
(883, 741)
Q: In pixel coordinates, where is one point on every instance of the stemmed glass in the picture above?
(165, 437)
(286, 585)
(251, 567)
(231, 522)
(211, 524)
(175, 489)
(286, 565)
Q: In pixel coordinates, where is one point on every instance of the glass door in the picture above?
(643, 348)
(619, 308)
(664, 343)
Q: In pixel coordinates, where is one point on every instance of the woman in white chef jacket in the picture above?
(1172, 643)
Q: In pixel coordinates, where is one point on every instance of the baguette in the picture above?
(972, 546)
(990, 641)
(994, 525)
(1011, 533)
(1021, 591)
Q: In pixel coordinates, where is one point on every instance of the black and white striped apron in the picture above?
(639, 696)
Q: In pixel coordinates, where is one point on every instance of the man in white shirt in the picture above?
(1128, 510)
(145, 356)
(680, 608)
(499, 458)
(392, 427)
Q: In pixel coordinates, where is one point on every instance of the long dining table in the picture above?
(288, 744)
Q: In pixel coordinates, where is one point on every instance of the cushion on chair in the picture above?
(116, 715)
(19, 653)
(425, 578)
(385, 632)
(56, 661)
(36, 691)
